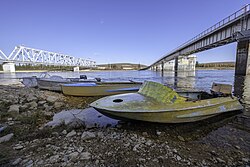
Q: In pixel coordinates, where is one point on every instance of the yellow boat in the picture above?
(155, 102)
(100, 88)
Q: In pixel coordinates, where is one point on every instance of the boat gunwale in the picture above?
(57, 81)
(101, 84)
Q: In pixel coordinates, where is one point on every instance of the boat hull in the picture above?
(50, 85)
(135, 106)
(100, 89)
(30, 82)
(155, 102)
(166, 116)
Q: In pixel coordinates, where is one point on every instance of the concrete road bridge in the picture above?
(27, 55)
(234, 28)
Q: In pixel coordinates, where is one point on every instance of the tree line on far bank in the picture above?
(42, 67)
(216, 65)
(118, 66)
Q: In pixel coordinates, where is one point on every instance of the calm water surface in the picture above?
(200, 79)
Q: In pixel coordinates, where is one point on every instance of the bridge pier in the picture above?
(159, 67)
(156, 68)
(176, 62)
(242, 66)
(181, 63)
(9, 67)
(162, 67)
(76, 69)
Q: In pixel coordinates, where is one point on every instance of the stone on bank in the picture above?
(6, 138)
(14, 109)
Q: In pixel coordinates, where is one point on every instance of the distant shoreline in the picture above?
(30, 71)
(213, 68)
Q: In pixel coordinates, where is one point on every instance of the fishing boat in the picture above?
(54, 82)
(100, 88)
(155, 102)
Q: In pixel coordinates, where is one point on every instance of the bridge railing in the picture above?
(220, 24)
(241, 12)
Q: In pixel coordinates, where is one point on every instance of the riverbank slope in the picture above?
(25, 111)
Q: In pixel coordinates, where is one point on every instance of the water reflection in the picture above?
(179, 80)
(200, 79)
(186, 79)
(9, 78)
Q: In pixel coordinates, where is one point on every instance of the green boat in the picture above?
(155, 102)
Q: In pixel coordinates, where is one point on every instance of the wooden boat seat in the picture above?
(221, 89)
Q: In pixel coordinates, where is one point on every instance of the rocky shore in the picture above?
(29, 136)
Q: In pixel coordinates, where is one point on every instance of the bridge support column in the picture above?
(156, 68)
(76, 69)
(159, 67)
(176, 72)
(242, 66)
(8, 67)
(176, 65)
(162, 66)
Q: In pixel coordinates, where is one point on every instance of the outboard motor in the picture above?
(98, 79)
(83, 77)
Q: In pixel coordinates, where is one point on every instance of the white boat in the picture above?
(54, 82)
(100, 88)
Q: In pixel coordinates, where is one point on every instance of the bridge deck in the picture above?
(232, 28)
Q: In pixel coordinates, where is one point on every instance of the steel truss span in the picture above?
(22, 54)
(2, 56)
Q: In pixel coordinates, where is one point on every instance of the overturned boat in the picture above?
(100, 88)
(30, 82)
(155, 102)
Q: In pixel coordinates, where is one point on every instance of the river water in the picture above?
(198, 80)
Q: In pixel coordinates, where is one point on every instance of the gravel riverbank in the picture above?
(26, 141)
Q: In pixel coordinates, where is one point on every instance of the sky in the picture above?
(113, 31)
